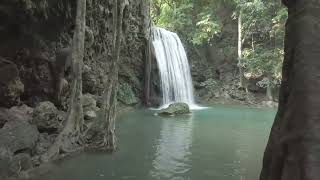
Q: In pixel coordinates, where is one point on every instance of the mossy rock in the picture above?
(175, 109)
(126, 95)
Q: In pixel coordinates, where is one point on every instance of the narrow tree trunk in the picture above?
(292, 152)
(148, 65)
(148, 52)
(69, 138)
(109, 104)
(241, 76)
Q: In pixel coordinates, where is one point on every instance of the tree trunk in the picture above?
(148, 65)
(109, 104)
(292, 152)
(241, 76)
(148, 52)
(69, 138)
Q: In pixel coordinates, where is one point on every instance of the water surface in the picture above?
(218, 143)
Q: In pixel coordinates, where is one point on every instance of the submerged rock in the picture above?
(175, 109)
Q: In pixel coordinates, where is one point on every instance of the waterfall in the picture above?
(175, 76)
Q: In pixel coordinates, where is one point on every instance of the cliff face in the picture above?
(35, 37)
(34, 31)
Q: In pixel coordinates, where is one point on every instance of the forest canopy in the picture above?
(262, 24)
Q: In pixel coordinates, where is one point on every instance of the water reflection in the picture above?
(172, 158)
(216, 143)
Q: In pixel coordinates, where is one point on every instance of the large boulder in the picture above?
(47, 117)
(10, 85)
(18, 136)
(16, 113)
(175, 109)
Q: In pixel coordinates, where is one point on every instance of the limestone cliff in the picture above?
(35, 37)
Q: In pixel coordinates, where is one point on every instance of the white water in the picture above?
(175, 76)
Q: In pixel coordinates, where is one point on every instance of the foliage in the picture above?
(188, 17)
(199, 22)
(263, 29)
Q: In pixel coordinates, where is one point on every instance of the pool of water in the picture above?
(218, 143)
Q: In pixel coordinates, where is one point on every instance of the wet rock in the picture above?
(47, 117)
(175, 109)
(18, 136)
(126, 95)
(10, 85)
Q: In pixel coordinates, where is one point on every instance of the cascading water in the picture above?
(175, 76)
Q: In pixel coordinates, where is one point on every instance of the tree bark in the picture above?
(109, 103)
(148, 65)
(241, 76)
(293, 150)
(69, 137)
(148, 52)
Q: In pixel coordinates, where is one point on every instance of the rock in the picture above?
(44, 142)
(5, 159)
(10, 85)
(4, 116)
(175, 109)
(37, 75)
(126, 95)
(16, 113)
(89, 104)
(47, 117)
(89, 80)
(20, 162)
(22, 112)
(18, 136)
(90, 115)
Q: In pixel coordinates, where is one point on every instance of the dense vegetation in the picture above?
(260, 38)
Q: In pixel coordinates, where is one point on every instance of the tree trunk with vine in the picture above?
(70, 137)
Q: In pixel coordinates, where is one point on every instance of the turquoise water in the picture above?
(219, 143)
